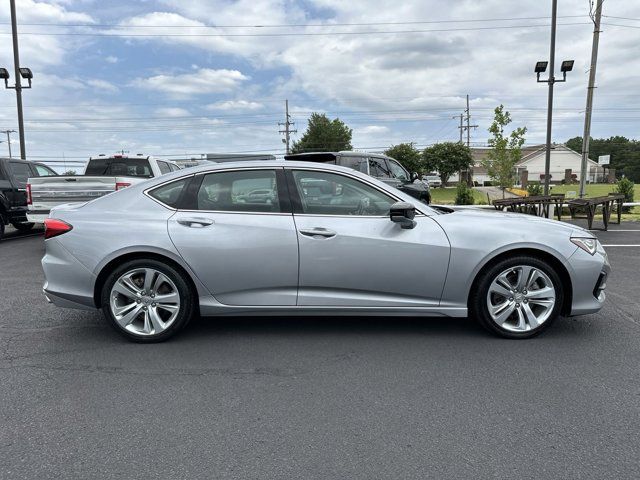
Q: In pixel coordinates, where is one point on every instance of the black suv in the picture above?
(377, 165)
(13, 191)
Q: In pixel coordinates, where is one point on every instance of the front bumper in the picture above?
(589, 280)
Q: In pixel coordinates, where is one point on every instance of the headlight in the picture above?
(588, 244)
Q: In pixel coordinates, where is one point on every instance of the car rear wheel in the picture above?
(23, 226)
(147, 300)
(518, 297)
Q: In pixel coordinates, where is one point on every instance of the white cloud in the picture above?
(102, 85)
(172, 112)
(371, 129)
(38, 51)
(203, 81)
(235, 105)
(111, 59)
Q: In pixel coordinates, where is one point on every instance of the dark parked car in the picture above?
(379, 166)
(13, 191)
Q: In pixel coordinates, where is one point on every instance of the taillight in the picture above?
(29, 199)
(54, 227)
(121, 185)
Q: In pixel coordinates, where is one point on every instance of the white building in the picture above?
(533, 160)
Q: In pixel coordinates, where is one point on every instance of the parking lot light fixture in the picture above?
(541, 67)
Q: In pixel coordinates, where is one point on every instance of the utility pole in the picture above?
(18, 87)
(8, 133)
(461, 126)
(592, 80)
(287, 124)
(469, 127)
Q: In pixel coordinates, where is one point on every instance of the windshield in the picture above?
(397, 170)
(125, 167)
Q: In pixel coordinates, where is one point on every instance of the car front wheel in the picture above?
(518, 297)
(147, 300)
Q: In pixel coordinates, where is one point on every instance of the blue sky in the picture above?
(177, 77)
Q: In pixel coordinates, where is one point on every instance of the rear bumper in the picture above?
(68, 283)
(37, 216)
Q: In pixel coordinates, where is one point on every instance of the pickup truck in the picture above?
(13, 191)
(102, 175)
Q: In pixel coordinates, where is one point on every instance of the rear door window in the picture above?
(239, 191)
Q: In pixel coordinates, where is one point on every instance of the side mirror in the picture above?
(403, 213)
(414, 176)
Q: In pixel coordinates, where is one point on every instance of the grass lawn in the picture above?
(599, 190)
(595, 190)
(447, 196)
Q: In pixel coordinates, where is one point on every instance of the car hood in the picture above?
(511, 220)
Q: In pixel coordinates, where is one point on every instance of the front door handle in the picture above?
(195, 222)
(318, 232)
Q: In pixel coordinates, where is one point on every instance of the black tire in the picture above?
(188, 299)
(478, 297)
(1, 226)
(22, 226)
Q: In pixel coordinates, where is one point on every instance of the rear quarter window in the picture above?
(169, 193)
(21, 172)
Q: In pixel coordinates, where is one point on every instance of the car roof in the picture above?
(323, 156)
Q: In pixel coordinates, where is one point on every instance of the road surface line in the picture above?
(622, 245)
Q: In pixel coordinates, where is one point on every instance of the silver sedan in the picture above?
(321, 240)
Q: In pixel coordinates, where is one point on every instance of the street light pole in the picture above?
(551, 81)
(541, 67)
(18, 85)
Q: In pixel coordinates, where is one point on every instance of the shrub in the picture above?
(625, 187)
(464, 195)
(534, 189)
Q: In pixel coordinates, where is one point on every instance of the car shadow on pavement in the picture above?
(318, 325)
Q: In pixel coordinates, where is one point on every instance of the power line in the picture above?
(289, 25)
(289, 34)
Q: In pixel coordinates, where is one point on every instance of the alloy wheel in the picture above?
(521, 298)
(144, 301)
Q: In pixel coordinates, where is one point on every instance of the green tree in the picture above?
(464, 194)
(625, 153)
(447, 158)
(506, 151)
(324, 135)
(625, 187)
(408, 155)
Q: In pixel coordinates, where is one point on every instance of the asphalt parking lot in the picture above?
(318, 397)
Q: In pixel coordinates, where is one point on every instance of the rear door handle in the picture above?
(318, 232)
(195, 222)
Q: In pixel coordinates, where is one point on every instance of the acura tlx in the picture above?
(294, 238)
